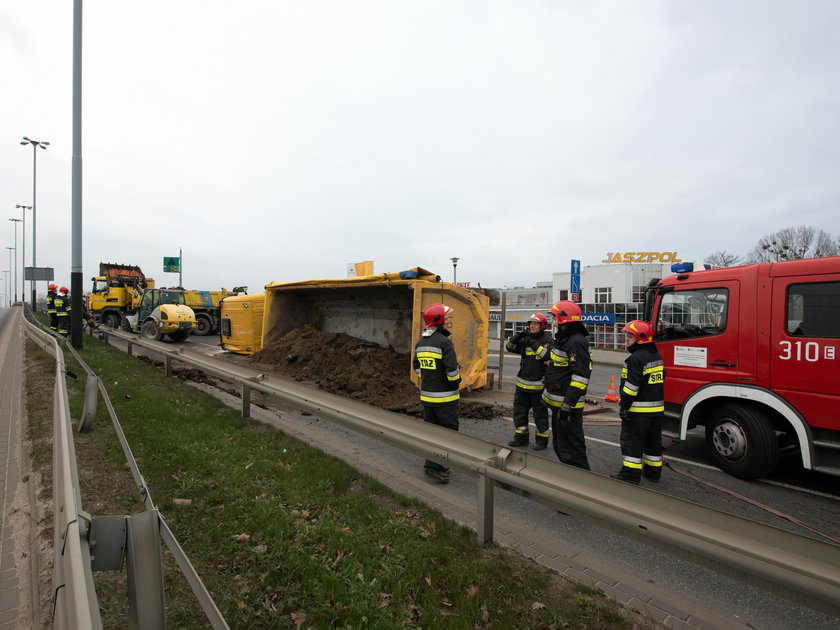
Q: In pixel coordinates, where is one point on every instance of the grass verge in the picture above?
(283, 535)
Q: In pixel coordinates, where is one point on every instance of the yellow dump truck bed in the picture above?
(385, 309)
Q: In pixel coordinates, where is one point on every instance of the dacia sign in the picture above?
(598, 318)
(641, 257)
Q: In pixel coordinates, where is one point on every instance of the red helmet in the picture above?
(565, 312)
(51, 287)
(435, 315)
(64, 290)
(640, 330)
(539, 317)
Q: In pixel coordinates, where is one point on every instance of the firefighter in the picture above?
(642, 406)
(437, 367)
(528, 395)
(62, 310)
(566, 379)
(51, 294)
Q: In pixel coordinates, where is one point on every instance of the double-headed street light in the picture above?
(35, 144)
(16, 259)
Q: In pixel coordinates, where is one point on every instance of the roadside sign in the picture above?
(171, 264)
(574, 288)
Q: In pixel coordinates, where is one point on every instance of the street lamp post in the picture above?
(11, 249)
(23, 210)
(6, 287)
(454, 270)
(35, 144)
(16, 259)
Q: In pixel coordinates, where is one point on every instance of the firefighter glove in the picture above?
(564, 415)
(624, 414)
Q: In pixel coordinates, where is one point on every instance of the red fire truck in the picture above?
(752, 353)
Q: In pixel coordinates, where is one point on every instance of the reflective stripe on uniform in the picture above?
(632, 462)
(454, 375)
(438, 397)
(581, 382)
(529, 385)
(653, 406)
(652, 460)
(557, 401)
(629, 389)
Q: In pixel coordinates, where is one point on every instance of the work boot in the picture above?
(630, 476)
(519, 439)
(438, 474)
(540, 444)
(652, 473)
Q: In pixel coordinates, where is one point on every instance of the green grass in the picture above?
(283, 535)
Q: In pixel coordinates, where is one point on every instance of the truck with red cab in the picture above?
(752, 353)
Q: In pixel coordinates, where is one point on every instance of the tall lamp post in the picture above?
(11, 249)
(23, 210)
(454, 270)
(6, 286)
(16, 259)
(35, 144)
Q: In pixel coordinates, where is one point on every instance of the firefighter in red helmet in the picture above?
(440, 375)
(566, 379)
(62, 310)
(528, 395)
(641, 406)
(51, 294)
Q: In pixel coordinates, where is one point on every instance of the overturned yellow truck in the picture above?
(383, 308)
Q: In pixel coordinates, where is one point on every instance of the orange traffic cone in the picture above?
(612, 395)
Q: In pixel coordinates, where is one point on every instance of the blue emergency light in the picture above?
(688, 266)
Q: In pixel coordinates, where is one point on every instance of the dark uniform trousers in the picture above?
(641, 445)
(444, 416)
(568, 440)
(524, 401)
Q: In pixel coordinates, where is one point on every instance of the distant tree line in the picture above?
(790, 243)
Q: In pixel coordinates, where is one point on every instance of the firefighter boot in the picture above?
(630, 475)
(439, 474)
(540, 443)
(652, 473)
(520, 438)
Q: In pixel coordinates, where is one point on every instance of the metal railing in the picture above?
(135, 538)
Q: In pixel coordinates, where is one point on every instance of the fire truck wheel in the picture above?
(742, 441)
(203, 326)
(112, 320)
(150, 330)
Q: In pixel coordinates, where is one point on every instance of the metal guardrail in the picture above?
(137, 537)
(798, 568)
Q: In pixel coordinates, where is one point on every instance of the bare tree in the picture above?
(793, 243)
(722, 258)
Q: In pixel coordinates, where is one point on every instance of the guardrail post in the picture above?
(144, 566)
(246, 401)
(129, 347)
(89, 410)
(484, 517)
(167, 366)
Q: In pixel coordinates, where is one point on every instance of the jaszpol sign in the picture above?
(641, 257)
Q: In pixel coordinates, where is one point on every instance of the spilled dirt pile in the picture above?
(355, 368)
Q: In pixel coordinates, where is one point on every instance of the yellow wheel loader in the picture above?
(162, 312)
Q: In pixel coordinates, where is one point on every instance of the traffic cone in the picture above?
(612, 395)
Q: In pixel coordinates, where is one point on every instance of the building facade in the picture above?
(612, 294)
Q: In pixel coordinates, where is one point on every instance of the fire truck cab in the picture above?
(752, 353)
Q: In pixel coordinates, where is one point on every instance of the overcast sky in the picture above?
(279, 140)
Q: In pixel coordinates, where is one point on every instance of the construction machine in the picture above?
(161, 313)
(116, 293)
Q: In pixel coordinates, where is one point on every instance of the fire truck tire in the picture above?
(742, 441)
(179, 335)
(203, 325)
(149, 330)
(112, 319)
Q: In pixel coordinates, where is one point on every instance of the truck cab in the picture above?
(751, 354)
